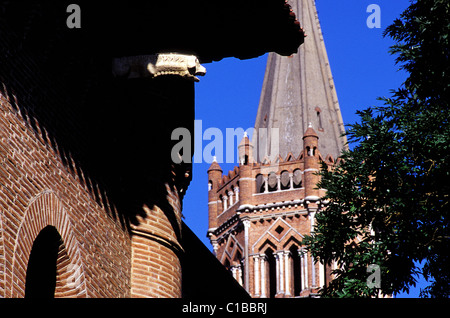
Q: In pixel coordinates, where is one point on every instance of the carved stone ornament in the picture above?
(186, 66)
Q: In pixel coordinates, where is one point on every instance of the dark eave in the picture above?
(210, 29)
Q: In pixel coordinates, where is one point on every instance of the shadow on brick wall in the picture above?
(115, 134)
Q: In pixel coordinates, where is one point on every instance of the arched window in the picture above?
(285, 180)
(271, 272)
(41, 270)
(296, 285)
(273, 182)
(231, 196)
(319, 119)
(297, 178)
(260, 186)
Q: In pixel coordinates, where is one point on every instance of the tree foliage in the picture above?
(389, 196)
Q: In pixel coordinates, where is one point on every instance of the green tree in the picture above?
(389, 195)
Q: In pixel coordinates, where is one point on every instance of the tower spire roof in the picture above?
(310, 131)
(299, 90)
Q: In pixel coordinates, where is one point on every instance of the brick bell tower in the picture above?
(260, 212)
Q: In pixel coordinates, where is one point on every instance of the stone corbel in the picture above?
(186, 66)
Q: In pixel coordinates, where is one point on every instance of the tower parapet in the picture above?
(264, 208)
(277, 200)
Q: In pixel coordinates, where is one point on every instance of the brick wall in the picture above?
(156, 246)
(99, 148)
(37, 190)
(88, 154)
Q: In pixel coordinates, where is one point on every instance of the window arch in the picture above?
(260, 183)
(297, 178)
(42, 264)
(70, 277)
(285, 180)
(296, 279)
(271, 273)
(319, 119)
(272, 181)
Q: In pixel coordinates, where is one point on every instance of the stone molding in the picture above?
(186, 66)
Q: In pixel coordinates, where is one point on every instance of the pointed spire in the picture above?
(245, 141)
(310, 132)
(299, 90)
(214, 166)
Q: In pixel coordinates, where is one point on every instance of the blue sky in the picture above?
(362, 68)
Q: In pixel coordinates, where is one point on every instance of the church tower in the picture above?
(260, 212)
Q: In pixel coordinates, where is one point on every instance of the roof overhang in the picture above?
(209, 29)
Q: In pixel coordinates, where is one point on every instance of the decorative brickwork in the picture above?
(103, 252)
(156, 251)
(36, 191)
(100, 254)
(259, 214)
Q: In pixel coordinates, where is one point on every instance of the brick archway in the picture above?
(47, 210)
